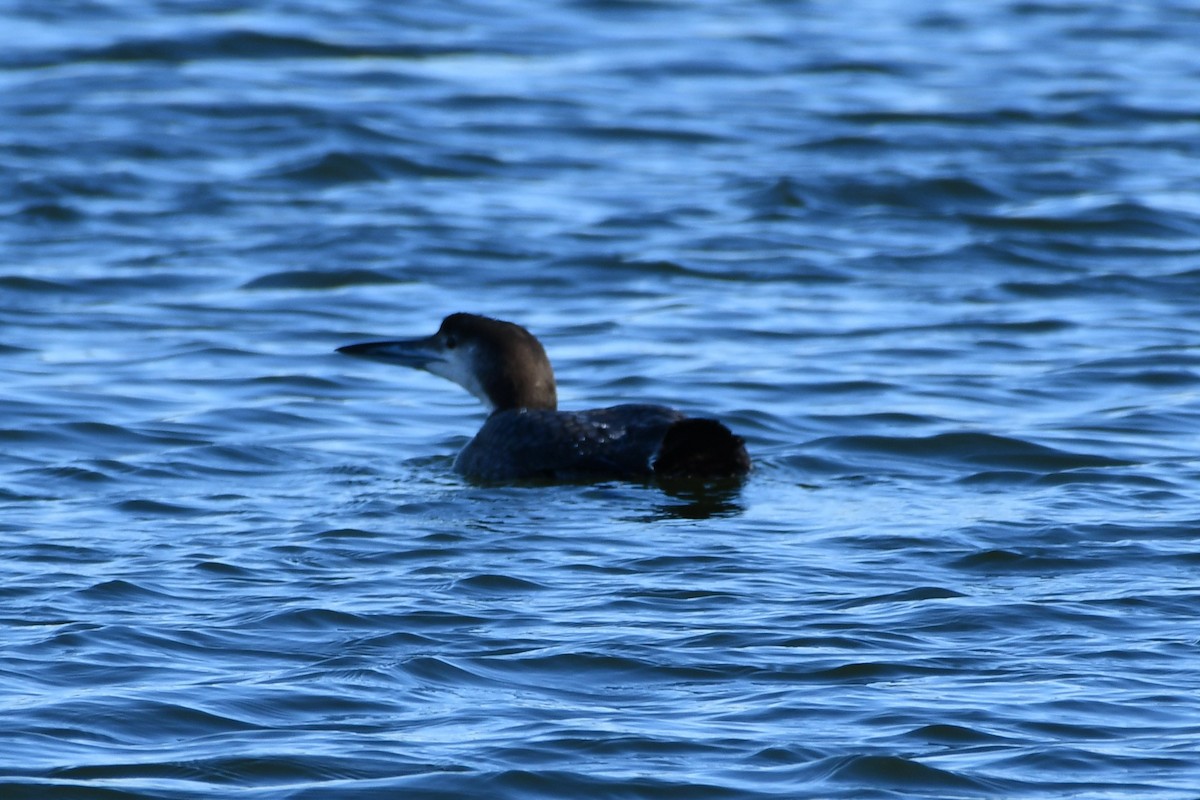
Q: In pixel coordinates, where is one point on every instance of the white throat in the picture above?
(458, 365)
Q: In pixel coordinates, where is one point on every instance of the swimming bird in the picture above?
(527, 437)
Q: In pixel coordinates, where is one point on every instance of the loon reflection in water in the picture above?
(526, 437)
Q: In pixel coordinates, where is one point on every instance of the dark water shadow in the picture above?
(695, 500)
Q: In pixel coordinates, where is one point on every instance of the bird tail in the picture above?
(701, 448)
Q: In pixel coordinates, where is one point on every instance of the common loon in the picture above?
(526, 437)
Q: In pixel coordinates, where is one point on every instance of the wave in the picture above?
(226, 44)
(970, 449)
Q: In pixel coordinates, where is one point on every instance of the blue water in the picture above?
(938, 263)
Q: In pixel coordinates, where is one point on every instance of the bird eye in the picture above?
(451, 343)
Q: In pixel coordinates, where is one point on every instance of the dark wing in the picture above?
(615, 442)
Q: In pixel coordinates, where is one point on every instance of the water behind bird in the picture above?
(937, 266)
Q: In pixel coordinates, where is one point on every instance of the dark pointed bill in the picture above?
(415, 353)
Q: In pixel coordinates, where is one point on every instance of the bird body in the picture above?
(527, 437)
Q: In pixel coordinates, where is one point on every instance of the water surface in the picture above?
(938, 263)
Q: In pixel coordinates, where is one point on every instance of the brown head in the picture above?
(499, 362)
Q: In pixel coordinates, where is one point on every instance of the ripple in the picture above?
(158, 508)
(119, 590)
(320, 279)
(341, 168)
(938, 269)
(953, 735)
(971, 449)
(239, 44)
(496, 584)
(898, 773)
